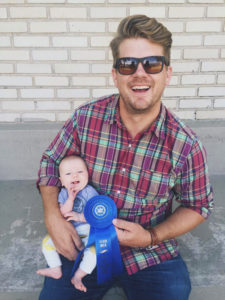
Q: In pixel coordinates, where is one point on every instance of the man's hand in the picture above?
(75, 216)
(131, 234)
(64, 236)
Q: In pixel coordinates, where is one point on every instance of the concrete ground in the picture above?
(21, 216)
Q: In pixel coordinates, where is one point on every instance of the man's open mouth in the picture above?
(140, 88)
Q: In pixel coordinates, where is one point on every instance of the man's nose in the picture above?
(140, 70)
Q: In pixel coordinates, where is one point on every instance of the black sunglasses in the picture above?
(151, 64)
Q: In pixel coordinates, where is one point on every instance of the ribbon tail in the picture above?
(104, 256)
(117, 265)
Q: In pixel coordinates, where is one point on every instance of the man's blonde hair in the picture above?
(141, 26)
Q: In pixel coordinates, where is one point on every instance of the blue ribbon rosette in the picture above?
(99, 212)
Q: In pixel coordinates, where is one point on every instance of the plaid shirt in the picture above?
(142, 175)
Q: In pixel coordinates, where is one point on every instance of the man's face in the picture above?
(141, 92)
(73, 174)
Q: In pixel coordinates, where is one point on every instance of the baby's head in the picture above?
(73, 172)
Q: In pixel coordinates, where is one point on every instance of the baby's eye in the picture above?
(80, 172)
(68, 173)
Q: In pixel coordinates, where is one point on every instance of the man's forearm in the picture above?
(180, 222)
(50, 203)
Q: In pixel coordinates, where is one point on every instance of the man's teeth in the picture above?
(143, 87)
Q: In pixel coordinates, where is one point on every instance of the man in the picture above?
(143, 157)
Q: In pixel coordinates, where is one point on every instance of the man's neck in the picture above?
(138, 123)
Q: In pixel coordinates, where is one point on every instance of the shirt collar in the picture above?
(157, 127)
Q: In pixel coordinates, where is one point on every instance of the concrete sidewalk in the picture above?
(21, 216)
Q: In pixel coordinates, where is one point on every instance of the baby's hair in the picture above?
(71, 157)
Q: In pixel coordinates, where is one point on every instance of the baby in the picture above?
(72, 199)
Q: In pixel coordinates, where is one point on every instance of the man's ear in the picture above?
(169, 73)
(114, 76)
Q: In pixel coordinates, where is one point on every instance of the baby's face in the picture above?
(73, 174)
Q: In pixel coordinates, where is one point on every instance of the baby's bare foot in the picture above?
(55, 273)
(77, 280)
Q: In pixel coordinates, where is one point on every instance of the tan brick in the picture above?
(37, 93)
(13, 27)
(3, 13)
(154, 12)
(86, 1)
(48, 27)
(212, 91)
(216, 66)
(46, 1)
(219, 103)
(126, 1)
(201, 53)
(49, 55)
(87, 55)
(71, 68)
(180, 67)
(189, 40)
(195, 103)
(6, 68)
(107, 12)
(101, 68)
(101, 41)
(5, 41)
(8, 93)
(18, 105)
(51, 81)
(69, 41)
(214, 40)
(53, 105)
(73, 93)
(185, 114)
(31, 41)
(87, 26)
(33, 68)
(198, 79)
(210, 114)
(179, 92)
(216, 11)
(14, 55)
(27, 12)
(88, 81)
(101, 92)
(68, 12)
(203, 26)
(15, 81)
(174, 26)
(186, 12)
(221, 79)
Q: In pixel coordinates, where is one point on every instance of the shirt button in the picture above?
(129, 146)
(118, 192)
(123, 170)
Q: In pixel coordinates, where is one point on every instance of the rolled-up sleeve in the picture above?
(193, 189)
(65, 143)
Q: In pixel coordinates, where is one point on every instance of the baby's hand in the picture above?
(72, 192)
(74, 216)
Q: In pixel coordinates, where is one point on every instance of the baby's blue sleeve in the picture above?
(63, 196)
(91, 192)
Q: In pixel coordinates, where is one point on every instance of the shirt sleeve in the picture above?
(193, 189)
(65, 143)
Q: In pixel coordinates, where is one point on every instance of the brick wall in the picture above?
(54, 55)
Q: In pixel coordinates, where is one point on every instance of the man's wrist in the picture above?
(154, 236)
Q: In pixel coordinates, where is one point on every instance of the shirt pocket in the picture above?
(152, 188)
